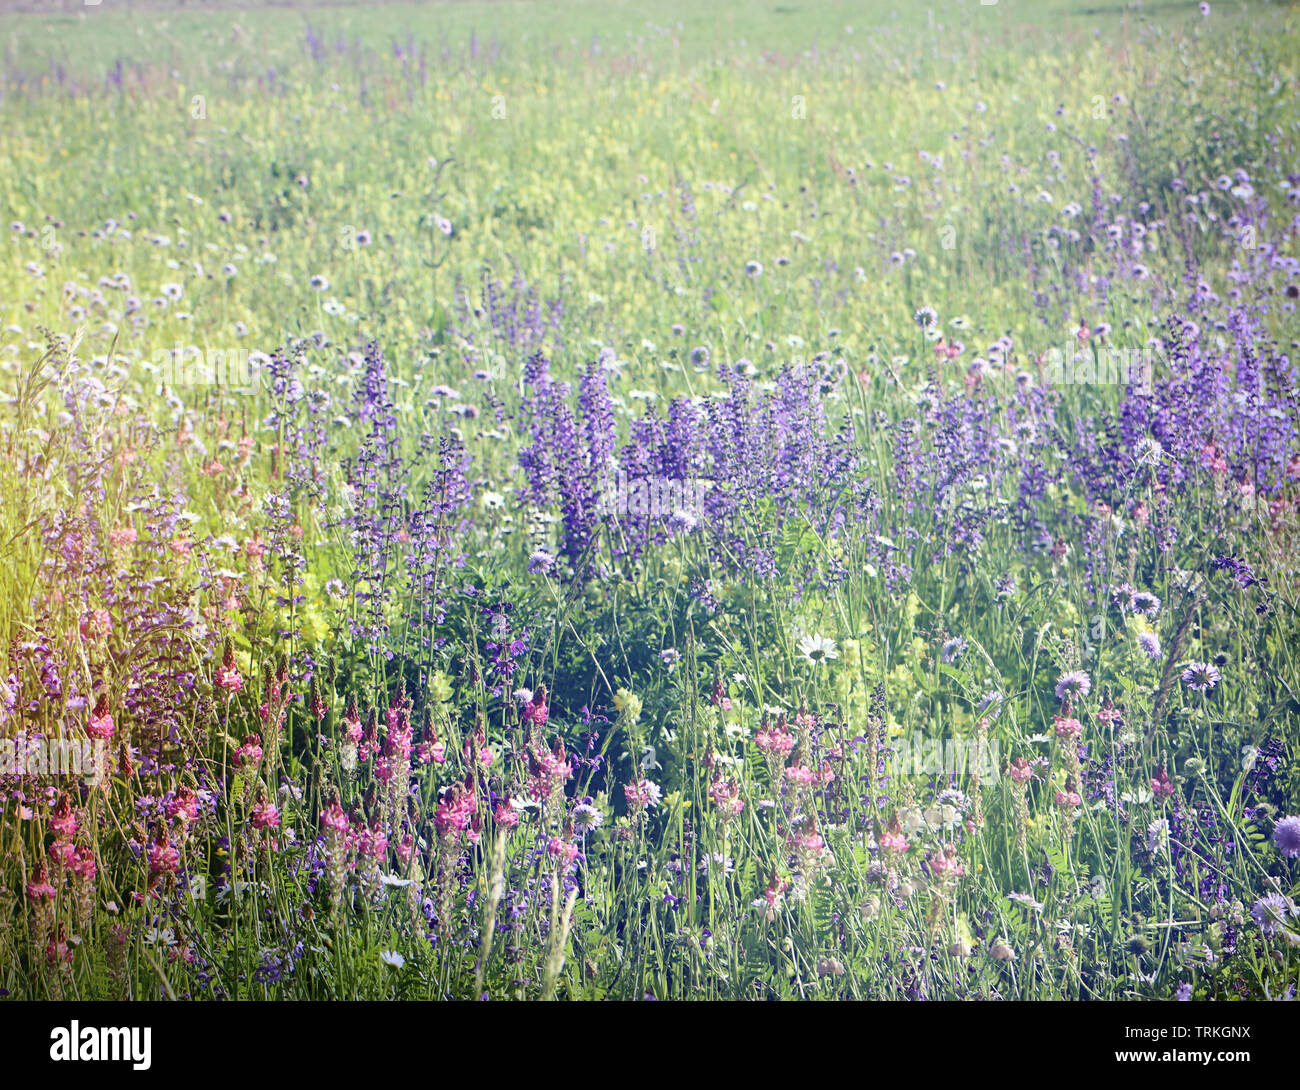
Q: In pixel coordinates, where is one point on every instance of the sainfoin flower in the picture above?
(642, 795)
(100, 724)
(265, 815)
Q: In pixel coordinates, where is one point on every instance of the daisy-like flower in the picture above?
(320, 283)
(753, 268)
(1146, 603)
(1073, 683)
(818, 648)
(392, 958)
(1270, 913)
(1123, 596)
(926, 318)
(1201, 676)
(587, 818)
(1286, 836)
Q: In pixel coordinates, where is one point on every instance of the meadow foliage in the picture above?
(744, 505)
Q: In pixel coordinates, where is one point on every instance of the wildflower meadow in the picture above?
(678, 501)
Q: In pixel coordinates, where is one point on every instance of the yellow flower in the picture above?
(440, 687)
(628, 705)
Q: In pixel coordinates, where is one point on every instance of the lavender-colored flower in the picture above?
(1270, 912)
(1146, 603)
(952, 650)
(1073, 683)
(1286, 836)
(1202, 676)
(587, 818)
(1184, 993)
(1150, 643)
